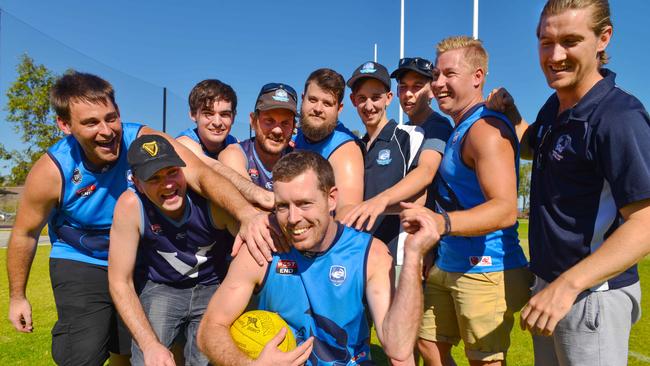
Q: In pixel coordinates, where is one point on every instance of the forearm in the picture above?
(130, 309)
(226, 195)
(216, 343)
(248, 189)
(410, 187)
(403, 317)
(20, 255)
(625, 247)
(493, 215)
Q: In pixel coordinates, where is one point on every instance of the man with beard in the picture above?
(321, 132)
(273, 121)
(74, 187)
(334, 274)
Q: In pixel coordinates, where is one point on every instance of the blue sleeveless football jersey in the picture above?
(79, 226)
(254, 166)
(328, 145)
(324, 297)
(496, 251)
(183, 253)
(193, 133)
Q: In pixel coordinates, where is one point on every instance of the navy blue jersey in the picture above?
(193, 133)
(79, 226)
(324, 297)
(183, 253)
(459, 189)
(387, 161)
(258, 173)
(328, 145)
(590, 161)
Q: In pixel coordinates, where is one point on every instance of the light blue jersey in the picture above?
(193, 133)
(79, 226)
(324, 297)
(459, 189)
(328, 145)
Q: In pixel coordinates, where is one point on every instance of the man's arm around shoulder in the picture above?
(124, 241)
(41, 194)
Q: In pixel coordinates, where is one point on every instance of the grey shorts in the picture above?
(596, 330)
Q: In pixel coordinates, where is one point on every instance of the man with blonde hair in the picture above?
(479, 279)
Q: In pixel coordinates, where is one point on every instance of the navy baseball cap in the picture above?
(150, 153)
(370, 70)
(277, 96)
(418, 64)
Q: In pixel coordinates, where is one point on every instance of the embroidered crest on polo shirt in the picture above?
(383, 157)
(281, 95)
(562, 143)
(337, 275)
(368, 68)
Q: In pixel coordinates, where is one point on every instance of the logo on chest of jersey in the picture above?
(76, 176)
(180, 236)
(480, 261)
(337, 275)
(86, 191)
(253, 173)
(383, 157)
(562, 143)
(156, 229)
(286, 267)
(268, 185)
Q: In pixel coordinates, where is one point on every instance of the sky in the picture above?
(143, 46)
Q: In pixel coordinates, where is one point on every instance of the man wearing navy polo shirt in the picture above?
(590, 195)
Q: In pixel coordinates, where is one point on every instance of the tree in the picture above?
(28, 108)
(525, 169)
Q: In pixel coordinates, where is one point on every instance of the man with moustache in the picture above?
(479, 279)
(590, 193)
(321, 132)
(74, 187)
(273, 120)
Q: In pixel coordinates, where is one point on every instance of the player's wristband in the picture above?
(445, 217)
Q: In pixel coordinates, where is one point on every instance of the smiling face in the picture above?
(304, 212)
(97, 128)
(456, 85)
(319, 112)
(214, 123)
(166, 189)
(371, 100)
(273, 129)
(568, 51)
(414, 91)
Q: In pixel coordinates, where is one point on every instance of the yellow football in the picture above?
(254, 329)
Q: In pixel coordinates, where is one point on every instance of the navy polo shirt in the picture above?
(589, 162)
(387, 160)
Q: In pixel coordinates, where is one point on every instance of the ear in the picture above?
(63, 125)
(354, 104)
(340, 107)
(192, 117)
(389, 97)
(604, 38)
(479, 77)
(251, 119)
(332, 198)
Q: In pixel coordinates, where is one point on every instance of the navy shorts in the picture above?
(88, 327)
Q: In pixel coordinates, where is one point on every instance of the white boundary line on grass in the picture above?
(639, 356)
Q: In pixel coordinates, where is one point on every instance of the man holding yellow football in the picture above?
(320, 287)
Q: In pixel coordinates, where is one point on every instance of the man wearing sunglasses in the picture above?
(479, 279)
(590, 193)
(321, 132)
(273, 121)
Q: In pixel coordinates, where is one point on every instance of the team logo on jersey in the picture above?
(268, 185)
(368, 68)
(456, 136)
(286, 266)
(281, 95)
(76, 176)
(337, 274)
(151, 148)
(156, 228)
(180, 236)
(86, 191)
(129, 176)
(562, 143)
(383, 157)
(356, 358)
(253, 173)
(183, 268)
(480, 261)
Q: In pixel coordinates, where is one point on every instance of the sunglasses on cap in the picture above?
(418, 62)
(270, 87)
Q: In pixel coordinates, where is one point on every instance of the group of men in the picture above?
(355, 223)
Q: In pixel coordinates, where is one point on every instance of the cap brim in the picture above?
(272, 106)
(147, 170)
(353, 80)
(400, 71)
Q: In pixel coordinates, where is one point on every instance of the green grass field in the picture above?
(34, 349)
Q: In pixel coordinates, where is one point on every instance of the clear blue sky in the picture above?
(141, 46)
